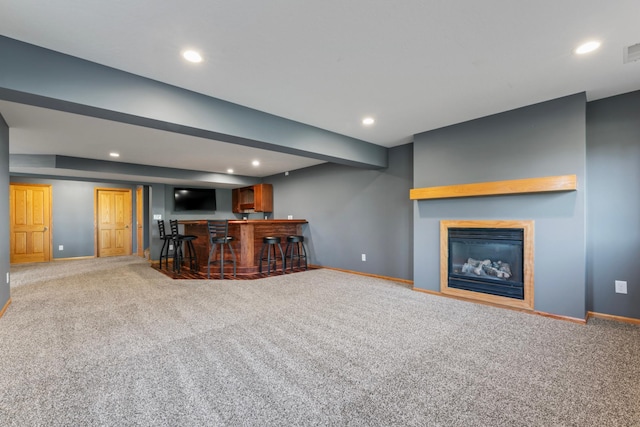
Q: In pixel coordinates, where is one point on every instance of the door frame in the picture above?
(129, 215)
(140, 220)
(49, 225)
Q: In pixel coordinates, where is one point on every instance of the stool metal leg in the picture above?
(162, 253)
(304, 251)
(286, 252)
(191, 255)
(282, 256)
(177, 255)
(212, 254)
(222, 261)
(275, 258)
(233, 255)
(269, 260)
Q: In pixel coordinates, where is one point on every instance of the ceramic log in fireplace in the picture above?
(490, 261)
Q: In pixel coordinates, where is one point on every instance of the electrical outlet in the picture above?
(621, 287)
(61, 247)
(7, 277)
(170, 247)
(289, 216)
(155, 216)
(364, 257)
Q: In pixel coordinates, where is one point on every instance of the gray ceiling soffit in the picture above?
(32, 161)
(129, 170)
(41, 77)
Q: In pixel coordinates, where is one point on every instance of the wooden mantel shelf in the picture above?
(515, 186)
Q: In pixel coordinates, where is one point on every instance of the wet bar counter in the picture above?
(247, 242)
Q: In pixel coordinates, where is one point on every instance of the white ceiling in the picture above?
(414, 65)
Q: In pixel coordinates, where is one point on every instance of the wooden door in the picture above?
(113, 219)
(30, 223)
(139, 221)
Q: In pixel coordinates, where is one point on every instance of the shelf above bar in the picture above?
(496, 188)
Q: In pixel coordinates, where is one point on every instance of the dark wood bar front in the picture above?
(247, 242)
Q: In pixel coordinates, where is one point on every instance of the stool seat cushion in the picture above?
(222, 240)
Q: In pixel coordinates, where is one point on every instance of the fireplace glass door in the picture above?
(487, 260)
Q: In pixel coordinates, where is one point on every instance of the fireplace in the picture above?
(487, 260)
(490, 261)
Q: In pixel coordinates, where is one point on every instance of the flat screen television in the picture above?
(194, 199)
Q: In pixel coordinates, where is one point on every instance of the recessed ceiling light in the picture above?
(192, 56)
(229, 170)
(256, 163)
(587, 47)
(367, 121)
(114, 154)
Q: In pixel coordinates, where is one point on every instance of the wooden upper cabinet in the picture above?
(257, 198)
(263, 197)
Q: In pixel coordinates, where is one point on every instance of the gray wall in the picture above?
(613, 204)
(4, 212)
(535, 141)
(157, 203)
(353, 211)
(72, 211)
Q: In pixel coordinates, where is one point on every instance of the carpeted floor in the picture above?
(113, 342)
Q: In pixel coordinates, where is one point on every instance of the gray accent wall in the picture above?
(613, 204)
(4, 212)
(545, 139)
(353, 212)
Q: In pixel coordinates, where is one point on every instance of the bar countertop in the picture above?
(249, 221)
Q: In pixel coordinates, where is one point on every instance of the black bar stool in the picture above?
(269, 243)
(219, 235)
(167, 242)
(178, 251)
(292, 251)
